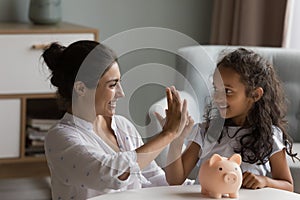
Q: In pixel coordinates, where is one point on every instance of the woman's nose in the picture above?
(119, 91)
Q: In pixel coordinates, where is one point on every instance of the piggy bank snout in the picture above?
(230, 178)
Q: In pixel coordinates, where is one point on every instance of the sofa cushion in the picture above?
(295, 168)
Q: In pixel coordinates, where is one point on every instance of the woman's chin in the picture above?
(107, 114)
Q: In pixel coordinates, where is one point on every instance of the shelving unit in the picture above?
(25, 91)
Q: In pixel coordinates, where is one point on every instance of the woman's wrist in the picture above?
(169, 134)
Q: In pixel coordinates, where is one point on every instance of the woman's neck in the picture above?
(102, 127)
(87, 116)
(103, 122)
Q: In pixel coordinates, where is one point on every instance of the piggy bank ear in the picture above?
(214, 158)
(236, 158)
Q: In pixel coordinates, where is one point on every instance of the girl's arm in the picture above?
(181, 165)
(281, 175)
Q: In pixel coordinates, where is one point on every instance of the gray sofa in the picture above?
(197, 63)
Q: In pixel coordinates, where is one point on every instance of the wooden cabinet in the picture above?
(25, 91)
(10, 119)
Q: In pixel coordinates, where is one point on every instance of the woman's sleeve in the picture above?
(78, 163)
(155, 175)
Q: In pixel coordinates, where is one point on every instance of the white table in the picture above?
(193, 192)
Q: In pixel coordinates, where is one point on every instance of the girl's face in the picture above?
(230, 95)
(108, 92)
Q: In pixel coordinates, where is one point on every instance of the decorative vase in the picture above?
(45, 11)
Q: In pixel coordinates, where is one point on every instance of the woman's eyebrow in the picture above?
(113, 80)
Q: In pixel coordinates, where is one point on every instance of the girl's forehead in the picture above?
(227, 76)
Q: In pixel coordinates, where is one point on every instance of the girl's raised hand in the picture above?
(187, 128)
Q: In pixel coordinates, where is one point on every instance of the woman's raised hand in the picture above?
(176, 113)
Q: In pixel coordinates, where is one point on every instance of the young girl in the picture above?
(249, 98)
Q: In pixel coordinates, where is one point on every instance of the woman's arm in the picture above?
(176, 119)
(281, 175)
(78, 163)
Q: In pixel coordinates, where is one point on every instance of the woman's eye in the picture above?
(113, 85)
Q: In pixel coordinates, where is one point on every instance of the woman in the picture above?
(92, 151)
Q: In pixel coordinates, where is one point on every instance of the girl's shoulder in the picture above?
(200, 125)
(197, 132)
(277, 132)
(278, 136)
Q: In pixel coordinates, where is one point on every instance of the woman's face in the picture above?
(108, 92)
(230, 95)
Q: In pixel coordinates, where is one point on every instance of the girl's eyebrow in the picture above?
(226, 85)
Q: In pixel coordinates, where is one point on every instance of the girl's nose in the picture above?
(219, 96)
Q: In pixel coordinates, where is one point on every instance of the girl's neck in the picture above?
(230, 122)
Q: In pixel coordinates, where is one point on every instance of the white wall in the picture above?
(190, 17)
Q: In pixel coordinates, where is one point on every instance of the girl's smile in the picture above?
(230, 95)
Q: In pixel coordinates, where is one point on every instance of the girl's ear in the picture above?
(258, 93)
(79, 88)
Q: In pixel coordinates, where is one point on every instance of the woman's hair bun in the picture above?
(52, 55)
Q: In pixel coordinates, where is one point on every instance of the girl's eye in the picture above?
(228, 91)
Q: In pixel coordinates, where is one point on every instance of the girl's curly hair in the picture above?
(270, 109)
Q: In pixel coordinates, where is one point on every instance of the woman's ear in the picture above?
(258, 93)
(79, 88)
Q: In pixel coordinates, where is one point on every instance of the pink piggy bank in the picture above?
(221, 176)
